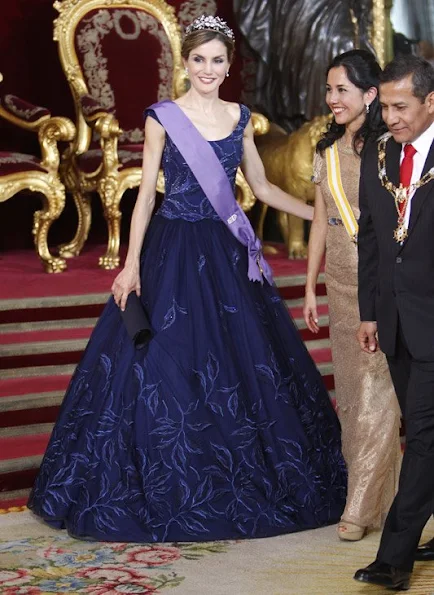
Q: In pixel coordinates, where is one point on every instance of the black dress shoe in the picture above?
(425, 552)
(385, 575)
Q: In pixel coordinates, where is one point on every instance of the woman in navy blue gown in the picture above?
(222, 427)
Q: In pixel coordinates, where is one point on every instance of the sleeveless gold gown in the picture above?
(367, 405)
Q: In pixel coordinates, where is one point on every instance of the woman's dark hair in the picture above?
(421, 72)
(197, 38)
(363, 70)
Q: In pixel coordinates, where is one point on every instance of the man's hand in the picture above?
(367, 337)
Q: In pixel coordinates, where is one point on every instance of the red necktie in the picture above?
(407, 165)
(405, 171)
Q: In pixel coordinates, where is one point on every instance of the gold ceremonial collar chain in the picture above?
(401, 194)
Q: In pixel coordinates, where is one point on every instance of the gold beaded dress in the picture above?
(367, 405)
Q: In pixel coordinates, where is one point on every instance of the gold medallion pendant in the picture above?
(400, 194)
(400, 233)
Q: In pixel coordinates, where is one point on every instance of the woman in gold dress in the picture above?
(366, 401)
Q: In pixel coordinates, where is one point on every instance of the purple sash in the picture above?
(212, 178)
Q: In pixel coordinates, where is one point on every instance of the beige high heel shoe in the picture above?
(350, 531)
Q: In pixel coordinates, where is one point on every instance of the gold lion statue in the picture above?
(288, 163)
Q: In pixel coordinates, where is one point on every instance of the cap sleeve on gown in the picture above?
(318, 169)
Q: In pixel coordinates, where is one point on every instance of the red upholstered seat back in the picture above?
(126, 59)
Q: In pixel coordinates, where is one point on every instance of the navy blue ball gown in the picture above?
(222, 428)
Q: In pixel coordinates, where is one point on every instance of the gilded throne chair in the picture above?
(19, 171)
(119, 56)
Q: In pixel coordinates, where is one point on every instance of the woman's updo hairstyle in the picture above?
(205, 29)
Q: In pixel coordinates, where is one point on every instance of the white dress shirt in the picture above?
(422, 145)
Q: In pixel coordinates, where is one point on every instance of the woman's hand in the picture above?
(310, 312)
(127, 281)
(367, 337)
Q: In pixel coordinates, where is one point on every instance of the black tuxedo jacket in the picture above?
(396, 281)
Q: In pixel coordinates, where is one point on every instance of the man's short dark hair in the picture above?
(409, 65)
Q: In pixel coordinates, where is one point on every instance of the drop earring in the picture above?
(227, 74)
(186, 71)
(367, 108)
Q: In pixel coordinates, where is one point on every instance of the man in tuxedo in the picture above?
(396, 292)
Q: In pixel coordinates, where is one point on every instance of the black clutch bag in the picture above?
(136, 321)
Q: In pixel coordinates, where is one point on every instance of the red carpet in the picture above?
(24, 386)
(45, 322)
(27, 446)
(22, 275)
(46, 335)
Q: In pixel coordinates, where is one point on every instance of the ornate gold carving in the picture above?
(53, 192)
(10, 187)
(379, 30)
(107, 179)
(84, 213)
(245, 196)
(50, 132)
(261, 124)
(107, 187)
(388, 42)
(53, 206)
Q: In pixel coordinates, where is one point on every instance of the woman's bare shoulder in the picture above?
(233, 108)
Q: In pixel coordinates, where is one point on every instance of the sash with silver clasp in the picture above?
(212, 178)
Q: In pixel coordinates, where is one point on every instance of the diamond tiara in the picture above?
(212, 24)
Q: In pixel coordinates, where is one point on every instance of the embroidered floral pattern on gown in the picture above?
(222, 429)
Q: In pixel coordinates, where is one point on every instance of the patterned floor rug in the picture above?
(36, 560)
